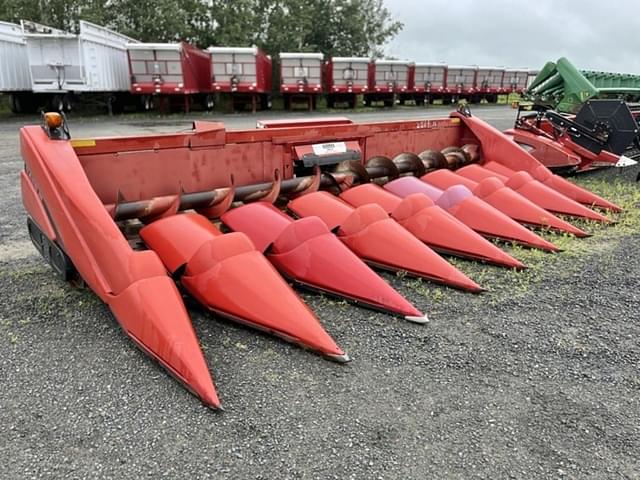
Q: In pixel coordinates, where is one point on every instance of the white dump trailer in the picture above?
(15, 79)
(63, 65)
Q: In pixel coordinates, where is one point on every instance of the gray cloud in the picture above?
(592, 34)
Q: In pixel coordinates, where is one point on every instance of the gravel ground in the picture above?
(536, 378)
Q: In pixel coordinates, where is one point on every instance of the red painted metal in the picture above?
(301, 73)
(308, 253)
(489, 80)
(462, 80)
(157, 76)
(472, 211)
(505, 157)
(390, 76)
(135, 285)
(485, 185)
(373, 236)
(345, 75)
(240, 70)
(77, 184)
(33, 205)
(304, 122)
(230, 277)
(430, 78)
(542, 195)
(152, 313)
(563, 153)
(431, 224)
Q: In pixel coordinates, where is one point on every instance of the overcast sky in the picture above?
(598, 35)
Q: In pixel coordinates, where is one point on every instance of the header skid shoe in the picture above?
(380, 241)
(229, 276)
(306, 252)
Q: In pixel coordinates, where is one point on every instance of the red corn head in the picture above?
(470, 210)
(561, 185)
(502, 155)
(230, 277)
(431, 224)
(486, 185)
(308, 253)
(373, 236)
(152, 313)
(541, 194)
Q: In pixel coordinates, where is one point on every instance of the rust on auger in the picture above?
(133, 216)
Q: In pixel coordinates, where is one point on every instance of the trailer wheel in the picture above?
(210, 102)
(352, 102)
(67, 103)
(265, 102)
(388, 103)
(16, 104)
(116, 104)
(56, 103)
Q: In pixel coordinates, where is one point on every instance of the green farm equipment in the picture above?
(564, 88)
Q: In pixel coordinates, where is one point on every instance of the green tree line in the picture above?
(333, 27)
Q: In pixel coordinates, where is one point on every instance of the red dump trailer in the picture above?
(346, 78)
(489, 83)
(389, 80)
(300, 78)
(515, 80)
(430, 82)
(162, 72)
(461, 81)
(242, 72)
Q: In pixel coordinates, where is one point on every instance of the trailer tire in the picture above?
(352, 103)
(15, 104)
(147, 103)
(265, 102)
(67, 103)
(55, 103)
(210, 102)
